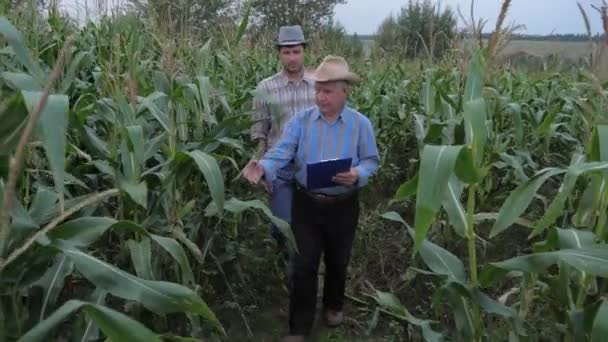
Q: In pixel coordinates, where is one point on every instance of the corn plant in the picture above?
(447, 171)
(88, 164)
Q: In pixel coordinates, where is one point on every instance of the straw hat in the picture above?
(334, 68)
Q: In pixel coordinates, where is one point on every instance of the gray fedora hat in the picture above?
(291, 35)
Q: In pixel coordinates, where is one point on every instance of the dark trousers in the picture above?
(319, 227)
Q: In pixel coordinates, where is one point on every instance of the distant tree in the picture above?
(310, 14)
(420, 29)
(185, 14)
(333, 39)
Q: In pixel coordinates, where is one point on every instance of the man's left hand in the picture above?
(347, 178)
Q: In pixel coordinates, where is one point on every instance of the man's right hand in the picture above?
(253, 172)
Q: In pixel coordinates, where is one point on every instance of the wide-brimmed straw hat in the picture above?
(334, 68)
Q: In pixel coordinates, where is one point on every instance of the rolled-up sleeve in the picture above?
(283, 151)
(368, 153)
(261, 114)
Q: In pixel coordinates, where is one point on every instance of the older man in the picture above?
(323, 220)
(278, 98)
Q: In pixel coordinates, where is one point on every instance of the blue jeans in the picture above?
(280, 205)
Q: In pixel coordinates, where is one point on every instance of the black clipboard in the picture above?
(319, 175)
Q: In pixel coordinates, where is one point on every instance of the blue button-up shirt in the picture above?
(309, 137)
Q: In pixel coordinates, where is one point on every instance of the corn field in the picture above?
(124, 218)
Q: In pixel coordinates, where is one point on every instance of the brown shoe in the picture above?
(333, 318)
(294, 338)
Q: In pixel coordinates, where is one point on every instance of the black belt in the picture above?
(326, 198)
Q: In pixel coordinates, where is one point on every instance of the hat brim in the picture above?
(349, 77)
(292, 43)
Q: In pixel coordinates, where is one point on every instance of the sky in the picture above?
(539, 16)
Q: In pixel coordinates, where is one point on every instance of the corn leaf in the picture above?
(141, 256)
(591, 259)
(52, 282)
(210, 168)
(600, 323)
(436, 167)
(115, 325)
(519, 199)
(15, 40)
(573, 238)
(406, 189)
(474, 83)
(21, 81)
(158, 296)
(52, 128)
(453, 207)
(475, 127)
(390, 303)
(556, 208)
(237, 206)
(436, 258)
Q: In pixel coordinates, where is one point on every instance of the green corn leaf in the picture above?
(52, 128)
(136, 144)
(14, 119)
(545, 126)
(137, 191)
(514, 109)
(141, 256)
(204, 89)
(436, 167)
(438, 259)
(82, 231)
(453, 206)
(44, 205)
(244, 23)
(237, 206)
(153, 145)
(602, 133)
(589, 202)
(52, 283)
(573, 238)
(72, 71)
(160, 116)
(21, 81)
(556, 208)
(519, 199)
(210, 168)
(465, 167)
(100, 145)
(475, 127)
(15, 40)
(157, 296)
(592, 260)
(474, 83)
(406, 189)
(427, 95)
(179, 255)
(390, 303)
(115, 325)
(600, 323)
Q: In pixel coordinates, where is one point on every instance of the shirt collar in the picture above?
(285, 80)
(341, 117)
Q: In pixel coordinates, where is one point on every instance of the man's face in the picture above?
(330, 96)
(292, 58)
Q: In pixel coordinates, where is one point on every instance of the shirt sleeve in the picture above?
(283, 151)
(261, 114)
(368, 153)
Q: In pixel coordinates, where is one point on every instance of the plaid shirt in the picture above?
(277, 99)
